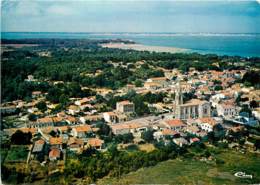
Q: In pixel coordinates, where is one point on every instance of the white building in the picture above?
(125, 106)
(110, 117)
(227, 110)
(206, 124)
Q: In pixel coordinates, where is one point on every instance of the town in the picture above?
(183, 107)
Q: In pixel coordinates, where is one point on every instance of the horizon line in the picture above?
(131, 32)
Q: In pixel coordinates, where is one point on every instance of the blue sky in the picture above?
(131, 16)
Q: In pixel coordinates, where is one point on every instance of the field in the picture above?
(17, 153)
(190, 171)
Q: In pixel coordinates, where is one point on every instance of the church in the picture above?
(194, 108)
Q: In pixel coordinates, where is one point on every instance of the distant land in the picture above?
(140, 47)
(231, 44)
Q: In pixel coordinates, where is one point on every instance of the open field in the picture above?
(140, 47)
(17, 153)
(188, 171)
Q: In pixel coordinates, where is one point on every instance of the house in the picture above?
(63, 129)
(38, 150)
(73, 109)
(57, 121)
(75, 144)
(194, 140)
(96, 143)
(61, 114)
(119, 129)
(83, 101)
(192, 129)
(137, 128)
(30, 78)
(91, 118)
(165, 134)
(152, 85)
(36, 94)
(56, 142)
(169, 133)
(206, 124)
(174, 124)
(81, 131)
(110, 117)
(180, 141)
(125, 106)
(38, 146)
(54, 154)
(71, 120)
(42, 123)
(227, 110)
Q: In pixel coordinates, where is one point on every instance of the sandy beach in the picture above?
(140, 47)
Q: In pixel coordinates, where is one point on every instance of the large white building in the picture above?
(227, 110)
(194, 108)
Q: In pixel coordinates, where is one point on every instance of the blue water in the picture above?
(247, 45)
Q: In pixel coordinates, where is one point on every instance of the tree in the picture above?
(253, 104)
(148, 136)
(20, 138)
(41, 106)
(138, 83)
(53, 133)
(218, 88)
(246, 109)
(64, 100)
(140, 107)
(252, 78)
(32, 117)
(125, 138)
(104, 129)
(54, 95)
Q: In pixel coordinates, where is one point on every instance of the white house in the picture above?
(206, 124)
(110, 117)
(227, 110)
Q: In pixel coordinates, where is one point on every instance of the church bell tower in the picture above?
(178, 100)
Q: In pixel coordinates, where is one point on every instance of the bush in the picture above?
(220, 161)
(132, 147)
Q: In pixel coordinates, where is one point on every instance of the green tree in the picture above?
(41, 106)
(32, 117)
(148, 136)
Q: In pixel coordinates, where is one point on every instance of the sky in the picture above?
(207, 16)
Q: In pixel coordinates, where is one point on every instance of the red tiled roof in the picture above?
(175, 123)
(83, 128)
(95, 142)
(55, 140)
(169, 132)
(208, 120)
(55, 152)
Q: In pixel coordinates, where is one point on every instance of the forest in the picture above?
(85, 64)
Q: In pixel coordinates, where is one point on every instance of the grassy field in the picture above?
(191, 171)
(17, 153)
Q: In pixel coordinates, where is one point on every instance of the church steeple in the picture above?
(178, 94)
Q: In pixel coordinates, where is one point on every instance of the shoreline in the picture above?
(140, 47)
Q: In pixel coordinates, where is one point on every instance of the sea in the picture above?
(231, 44)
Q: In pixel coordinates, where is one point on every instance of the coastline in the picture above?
(140, 47)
